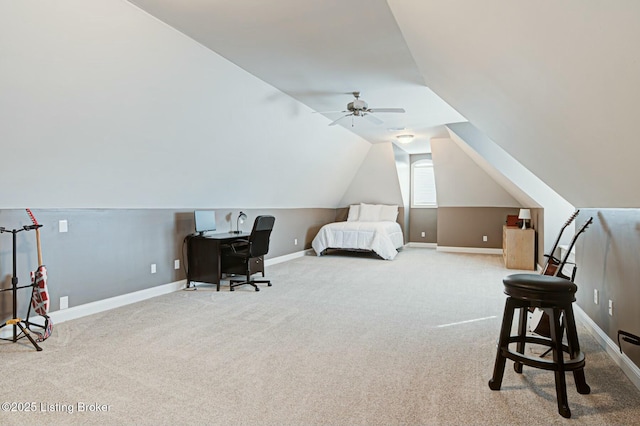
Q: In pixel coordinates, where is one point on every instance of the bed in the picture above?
(369, 227)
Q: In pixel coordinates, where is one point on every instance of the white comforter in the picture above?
(382, 237)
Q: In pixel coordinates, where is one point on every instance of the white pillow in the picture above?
(354, 213)
(389, 213)
(369, 212)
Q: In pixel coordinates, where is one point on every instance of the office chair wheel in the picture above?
(232, 289)
(268, 284)
(257, 289)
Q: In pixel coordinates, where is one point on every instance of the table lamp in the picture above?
(241, 218)
(524, 215)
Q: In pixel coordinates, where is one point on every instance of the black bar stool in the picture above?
(555, 296)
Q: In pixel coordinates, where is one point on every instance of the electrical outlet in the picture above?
(423, 234)
(484, 238)
(610, 307)
(595, 296)
(63, 226)
(64, 302)
(153, 268)
(295, 241)
(176, 264)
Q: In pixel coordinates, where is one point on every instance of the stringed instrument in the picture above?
(539, 319)
(40, 292)
(551, 265)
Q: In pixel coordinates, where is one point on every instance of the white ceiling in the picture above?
(319, 52)
(555, 84)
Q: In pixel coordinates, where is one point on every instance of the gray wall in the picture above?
(403, 166)
(465, 226)
(607, 255)
(109, 252)
(423, 220)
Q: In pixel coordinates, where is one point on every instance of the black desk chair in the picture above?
(241, 256)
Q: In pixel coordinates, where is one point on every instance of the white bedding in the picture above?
(384, 238)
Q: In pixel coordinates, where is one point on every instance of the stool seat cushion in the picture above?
(543, 288)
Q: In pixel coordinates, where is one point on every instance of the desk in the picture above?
(203, 257)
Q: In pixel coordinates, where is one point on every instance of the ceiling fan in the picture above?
(359, 108)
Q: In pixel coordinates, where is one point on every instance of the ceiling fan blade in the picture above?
(373, 118)
(333, 123)
(326, 112)
(376, 110)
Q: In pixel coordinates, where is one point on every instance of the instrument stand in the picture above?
(15, 321)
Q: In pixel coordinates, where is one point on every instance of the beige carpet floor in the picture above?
(337, 340)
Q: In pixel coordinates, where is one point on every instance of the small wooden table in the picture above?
(518, 248)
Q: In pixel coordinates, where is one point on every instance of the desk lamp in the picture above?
(524, 215)
(241, 218)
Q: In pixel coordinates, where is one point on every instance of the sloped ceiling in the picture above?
(556, 84)
(319, 52)
(103, 106)
(377, 179)
(461, 182)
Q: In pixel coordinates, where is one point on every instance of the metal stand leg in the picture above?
(18, 322)
(15, 321)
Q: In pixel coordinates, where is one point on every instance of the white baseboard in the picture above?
(476, 250)
(115, 302)
(287, 257)
(425, 245)
(80, 311)
(626, 365)
(91, 308)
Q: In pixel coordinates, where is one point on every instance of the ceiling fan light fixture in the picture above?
(404, 138)
(359, 108)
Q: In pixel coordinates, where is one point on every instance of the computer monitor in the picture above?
(205, 221)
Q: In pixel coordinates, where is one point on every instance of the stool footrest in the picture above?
(538, 340)
(569, 365)
(575, 363)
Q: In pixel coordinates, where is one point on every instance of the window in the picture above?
(423, 184)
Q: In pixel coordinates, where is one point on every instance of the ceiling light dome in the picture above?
(404, 138)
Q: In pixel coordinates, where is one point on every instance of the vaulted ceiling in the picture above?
(319, 52)
(555, 84)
